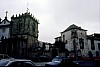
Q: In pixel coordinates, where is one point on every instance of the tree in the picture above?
(60, 45)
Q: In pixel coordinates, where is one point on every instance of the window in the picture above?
(97, 53)
(6, 56)
(3, 63)
(28, 64)
(99, 46)
(81, 42)
(3, 30)
(28, 25)
(66, 41)
(33, 27)
(92, 44)
(64, 38)
(19, 27)
(16, 63)
(2, 37)
(21, 24)
(74, 34)
(1, 56)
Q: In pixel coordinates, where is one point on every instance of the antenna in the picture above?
(27, 8)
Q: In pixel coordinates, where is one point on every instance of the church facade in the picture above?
(20, 36)
(4, 34)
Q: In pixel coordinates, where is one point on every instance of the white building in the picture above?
(78, 43)
(44, 44)
(94, 45)
(76, 40)
(4, 29)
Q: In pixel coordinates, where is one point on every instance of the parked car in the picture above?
(4, 56)
(41, 58)
(86, 63)
(16, 62)
(60, 61)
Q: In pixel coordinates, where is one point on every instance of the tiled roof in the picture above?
(73, 26)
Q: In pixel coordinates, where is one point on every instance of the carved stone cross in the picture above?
(6, 13)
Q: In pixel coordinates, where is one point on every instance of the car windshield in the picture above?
(3, 63)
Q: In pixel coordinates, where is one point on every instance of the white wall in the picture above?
(6, 33)
(69, 44)
(96, 47)
(81, 34)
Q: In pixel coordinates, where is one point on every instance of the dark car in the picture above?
(4, 56)
(60, 61)
(16, 62)
(86, 63)
(43, 58)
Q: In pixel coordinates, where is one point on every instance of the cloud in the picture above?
(56, 15)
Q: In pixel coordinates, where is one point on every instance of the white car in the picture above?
(16, 62)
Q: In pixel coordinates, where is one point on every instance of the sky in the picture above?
(56, 15)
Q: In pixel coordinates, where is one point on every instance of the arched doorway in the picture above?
(90, 54)
(97, 53)
(79, 54)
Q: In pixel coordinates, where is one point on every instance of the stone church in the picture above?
(4, 33)
(24, 27)
(23, 35)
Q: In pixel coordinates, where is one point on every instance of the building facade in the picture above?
(75, 39)
(19, 36)
(4, 28)
(25, 26)
(4, 34)
(78, 43)
(94, 45)
(24, 29)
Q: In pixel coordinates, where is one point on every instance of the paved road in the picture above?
(40, 63)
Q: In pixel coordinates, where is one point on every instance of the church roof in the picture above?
(24, 15)
(4, 22)
(73, 26)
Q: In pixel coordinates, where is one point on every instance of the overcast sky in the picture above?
(56, 15)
